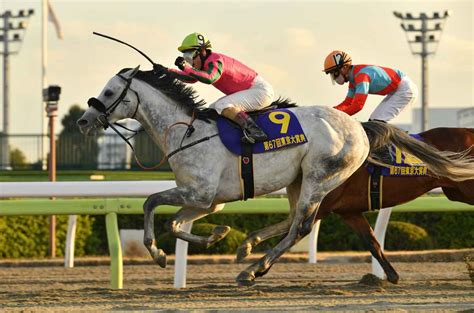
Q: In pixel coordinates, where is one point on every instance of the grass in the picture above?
(25, 176)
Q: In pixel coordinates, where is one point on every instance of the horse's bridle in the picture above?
(99, 106)
(106, 111)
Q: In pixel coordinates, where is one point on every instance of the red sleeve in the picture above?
(356, 96)
(344, 105)
(352, 105)
(356, 104)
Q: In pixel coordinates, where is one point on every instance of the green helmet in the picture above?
(195, 41)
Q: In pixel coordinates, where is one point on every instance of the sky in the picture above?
(284, 41)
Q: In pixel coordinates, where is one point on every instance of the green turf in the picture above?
(28, 176)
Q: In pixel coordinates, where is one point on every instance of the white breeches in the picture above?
(395, 102)
(258, 96)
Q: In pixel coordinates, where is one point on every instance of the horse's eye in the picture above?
(108, 93)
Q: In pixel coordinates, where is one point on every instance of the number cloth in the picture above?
(402, 163)
(281, 126)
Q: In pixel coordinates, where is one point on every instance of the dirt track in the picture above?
(288, 286)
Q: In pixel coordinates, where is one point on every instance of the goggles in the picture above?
(335, 73)
(190, 55)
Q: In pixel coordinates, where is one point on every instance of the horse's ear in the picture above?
(134, 72)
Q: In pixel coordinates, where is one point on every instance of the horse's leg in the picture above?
(186, 215)
(314, 187)
(256, 237)
(177, 197)
(300, 227)
(362, 227)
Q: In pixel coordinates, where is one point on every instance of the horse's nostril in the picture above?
(82, 122)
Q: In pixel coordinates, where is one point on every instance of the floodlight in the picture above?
(398, 14)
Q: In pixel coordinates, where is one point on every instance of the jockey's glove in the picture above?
(179, 62)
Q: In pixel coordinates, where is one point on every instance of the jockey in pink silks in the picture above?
(245, 90)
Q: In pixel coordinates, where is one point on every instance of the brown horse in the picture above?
(350, 199)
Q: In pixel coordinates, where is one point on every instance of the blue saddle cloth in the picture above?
(402, 164)
(281, 126)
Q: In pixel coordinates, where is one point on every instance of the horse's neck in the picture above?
(157, 113)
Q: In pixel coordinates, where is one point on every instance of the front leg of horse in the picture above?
(175, 197)
(362, 227)
(256, 237)
(158, 255)
(186, 215)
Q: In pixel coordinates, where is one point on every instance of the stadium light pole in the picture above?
(425, 30)
(8, 26)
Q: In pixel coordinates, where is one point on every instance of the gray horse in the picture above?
(207, 174)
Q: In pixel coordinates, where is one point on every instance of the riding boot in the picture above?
(252, 132)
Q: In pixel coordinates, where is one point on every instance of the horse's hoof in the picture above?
(393, 278)
(245, 279)
(242, 252)
(159, 256)
(218, 233)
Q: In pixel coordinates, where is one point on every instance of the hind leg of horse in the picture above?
(314, 187)
(176, 197)
(362, 227)
(186, 215)
(256, 237)
(300, 227)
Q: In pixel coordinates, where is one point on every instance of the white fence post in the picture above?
(70, 238)
(380, 228)
(181, 258)
(313, 243)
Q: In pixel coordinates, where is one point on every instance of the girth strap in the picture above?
(375, 189)
(246, 167)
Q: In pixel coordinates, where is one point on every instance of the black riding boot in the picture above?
(252, 132)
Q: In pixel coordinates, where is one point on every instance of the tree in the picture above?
(74, 150)
(17, 159)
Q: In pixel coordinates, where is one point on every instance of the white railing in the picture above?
(145, 188)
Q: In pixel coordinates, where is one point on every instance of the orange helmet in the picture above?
(336, 60)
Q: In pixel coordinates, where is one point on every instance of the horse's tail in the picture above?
(457, 166)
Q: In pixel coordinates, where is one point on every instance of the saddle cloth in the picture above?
(402, 163)
(281, 126)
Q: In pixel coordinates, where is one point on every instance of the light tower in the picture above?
(425, 30)
(16, 37)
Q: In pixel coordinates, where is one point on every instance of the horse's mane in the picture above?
(184, 95)
(283, 103)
